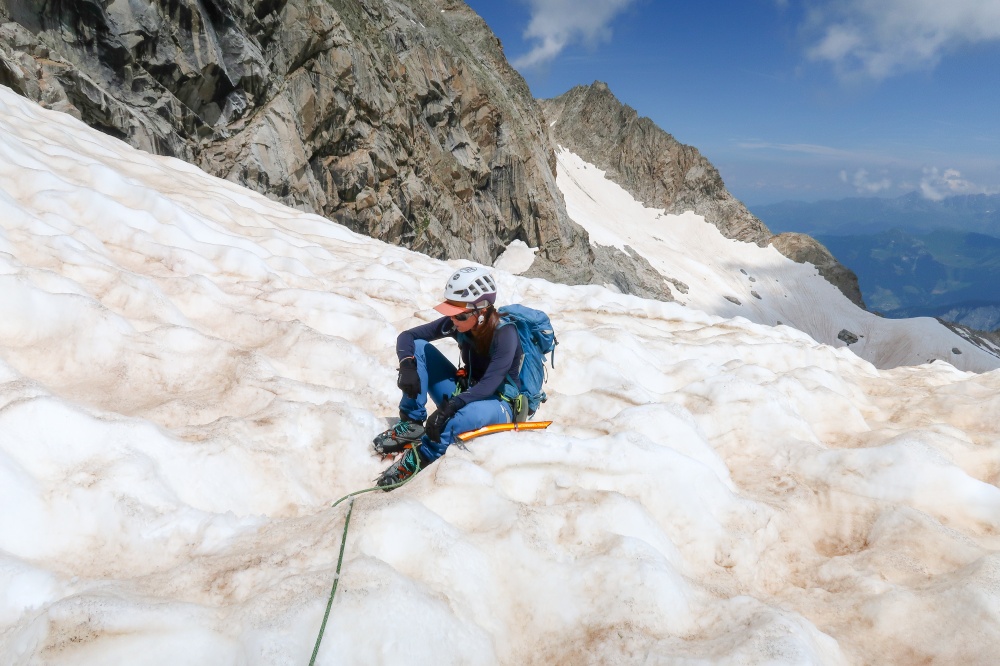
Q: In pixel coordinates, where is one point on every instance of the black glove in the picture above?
(435, 424)
(408, 380)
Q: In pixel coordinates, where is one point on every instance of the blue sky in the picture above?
(790, 99)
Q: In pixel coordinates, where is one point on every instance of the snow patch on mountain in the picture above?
(729, 278)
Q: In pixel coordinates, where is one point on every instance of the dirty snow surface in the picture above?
(190, 375)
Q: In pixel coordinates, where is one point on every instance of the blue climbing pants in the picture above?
(438, 380)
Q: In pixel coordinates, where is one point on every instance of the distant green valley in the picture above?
(952, 273)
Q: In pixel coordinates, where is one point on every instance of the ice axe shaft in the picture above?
(503, 427)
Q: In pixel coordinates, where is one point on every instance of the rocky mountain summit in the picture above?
(661, 172)
(648, 162)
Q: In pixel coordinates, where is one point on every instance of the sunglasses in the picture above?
(464, 315)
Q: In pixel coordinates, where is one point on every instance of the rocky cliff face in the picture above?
(400, 119)
(661, 172)
(650, 164)
(806, 249)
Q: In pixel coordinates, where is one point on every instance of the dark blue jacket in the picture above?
(486, 373)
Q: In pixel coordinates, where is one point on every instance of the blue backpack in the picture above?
(537, 339)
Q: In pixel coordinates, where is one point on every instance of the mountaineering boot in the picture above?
(401, 436)
(408, 464)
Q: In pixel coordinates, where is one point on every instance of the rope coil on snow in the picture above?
(343, 544)
(464, 437)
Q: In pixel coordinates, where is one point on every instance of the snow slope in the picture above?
(190, 375)
(768, 287)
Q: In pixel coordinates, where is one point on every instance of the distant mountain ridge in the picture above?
(913, 256)
(949, 274)
(978, 213)
(977, 315)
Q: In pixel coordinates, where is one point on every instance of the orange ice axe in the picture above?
(503, 427)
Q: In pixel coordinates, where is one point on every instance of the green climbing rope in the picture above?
(343, 543)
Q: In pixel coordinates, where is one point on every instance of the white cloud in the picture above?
(881, 38)
(937, 185)
(555, 24)
(806, 148)
(882, 171)
(817, 150)
(864, 183)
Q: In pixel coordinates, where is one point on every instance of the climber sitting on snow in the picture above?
(483, 392)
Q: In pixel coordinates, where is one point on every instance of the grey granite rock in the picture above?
(661, 172)
(399, 118)
(803, 249)
(648, 162)
(847, 337)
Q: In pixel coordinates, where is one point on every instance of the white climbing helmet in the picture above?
(469, 288)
